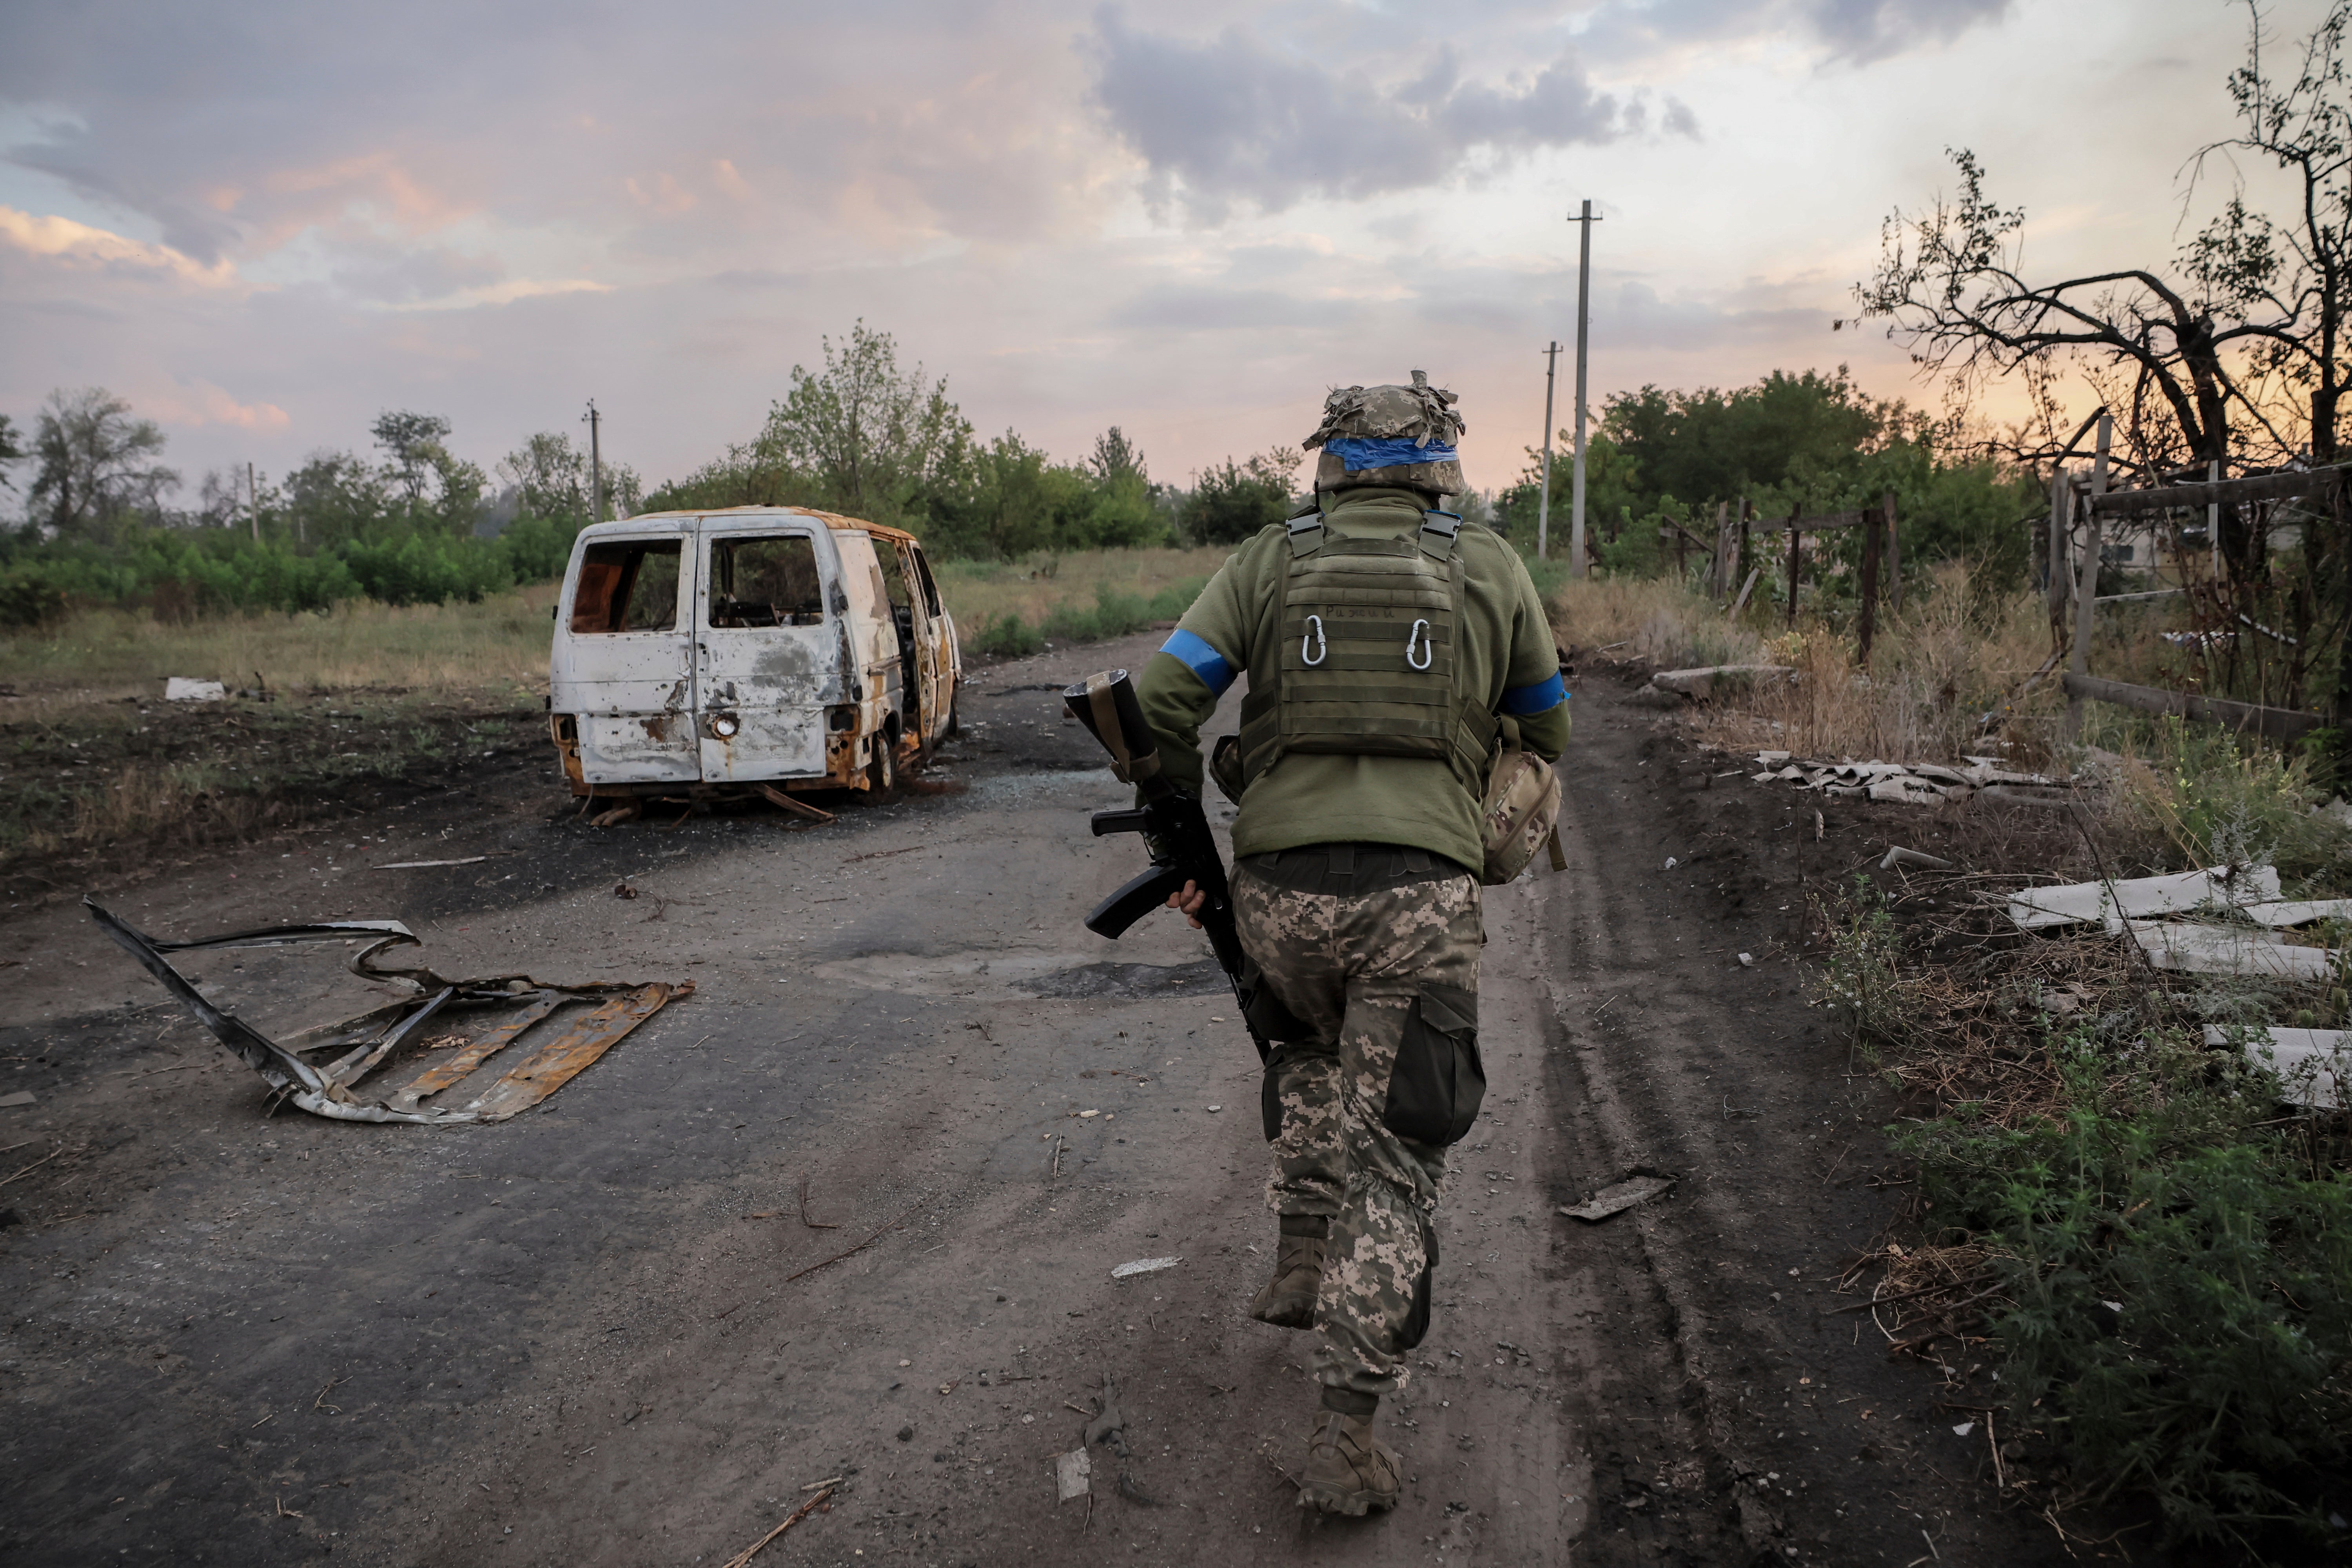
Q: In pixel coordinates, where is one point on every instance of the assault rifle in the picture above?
(1176, 831)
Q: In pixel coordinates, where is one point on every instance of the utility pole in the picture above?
(1583, 319)
(1543, 497)
(595, 465)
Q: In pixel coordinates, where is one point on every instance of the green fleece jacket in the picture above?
(1505, 653)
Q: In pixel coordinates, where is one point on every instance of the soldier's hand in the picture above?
(1189, 900)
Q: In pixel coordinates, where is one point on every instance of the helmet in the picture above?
(1389, 436)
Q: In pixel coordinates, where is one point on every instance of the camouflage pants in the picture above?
(1352, 968)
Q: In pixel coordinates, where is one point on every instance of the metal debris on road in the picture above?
(1143, 1266)
(2313, 1065)
(510, 1005)
(1638, 1188)
(1071, 1473)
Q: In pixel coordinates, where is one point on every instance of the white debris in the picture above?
(1070, 1473)
(2224, 949)
(2300, 911)
(180, 688)
(1698, 685)
(1672, 862)
(1906, 783)
(1746, 961)
(1899, 855)
(1144, 1265)
(1964, 1429)
(2139, 897)
(2313, 1064)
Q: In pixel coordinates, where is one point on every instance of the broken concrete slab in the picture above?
(2068, 903)
(1699, 685)
(2299, 912)
(2227, 950)
(509, 1004)
(2312, 1064)
(180, 688)
(1636, 1189)
(1071, 1473)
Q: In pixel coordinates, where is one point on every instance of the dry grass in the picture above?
(1947, 677)
(1649, 619)
(1034, 587)
(500, 644)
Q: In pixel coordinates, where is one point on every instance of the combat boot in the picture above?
(1347, 1469)
(1288, 1299)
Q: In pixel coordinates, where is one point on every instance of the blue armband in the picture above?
(1195, 655)
(1542, 696)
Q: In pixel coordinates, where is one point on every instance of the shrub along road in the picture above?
(609, 1331)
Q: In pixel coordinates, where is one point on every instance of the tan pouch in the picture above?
(1520, 814)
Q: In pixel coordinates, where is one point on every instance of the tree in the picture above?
(1115, 458)
(12, 450)
(2234, 354)
(414, 443)
(97, 465)
(1232, 501)
(872, 441)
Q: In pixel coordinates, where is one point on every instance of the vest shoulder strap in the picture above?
(1306, 532)
(1439, 531)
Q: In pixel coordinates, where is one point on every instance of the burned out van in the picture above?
(705, 654)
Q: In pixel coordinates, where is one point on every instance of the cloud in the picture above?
(1235, 119)
(200, 403)
(79, 244)
(1866, 30)
(1858, 32)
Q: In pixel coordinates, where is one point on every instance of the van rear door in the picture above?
(766, 642)
(622, 658)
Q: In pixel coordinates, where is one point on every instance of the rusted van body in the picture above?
(696, 651)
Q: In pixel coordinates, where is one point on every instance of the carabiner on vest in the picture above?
(1419, 633)
(1315, 635)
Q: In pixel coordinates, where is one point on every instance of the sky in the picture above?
(263, 224)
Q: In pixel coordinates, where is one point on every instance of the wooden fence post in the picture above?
(1873, 523)
(1893, 552)
(2087, 584)
(1719, 571)
(1739, 550)
(1796, 558)
(2062, 502)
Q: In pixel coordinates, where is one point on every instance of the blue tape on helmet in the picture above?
(1388, 452)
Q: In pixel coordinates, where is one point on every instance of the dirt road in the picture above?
(852, 1210)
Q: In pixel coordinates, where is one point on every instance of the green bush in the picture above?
(2182, 1287)
(421, 569)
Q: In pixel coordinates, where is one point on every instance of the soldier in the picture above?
(1388, 644)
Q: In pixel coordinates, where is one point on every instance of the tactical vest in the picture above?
(1359, 655)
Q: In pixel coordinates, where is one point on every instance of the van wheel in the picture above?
(882, 771)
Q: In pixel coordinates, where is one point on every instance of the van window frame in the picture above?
(709, 593)
(625, 590)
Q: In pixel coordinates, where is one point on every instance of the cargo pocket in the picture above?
(1438, 1081)
(1269, 1098)
(1417, 1321)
